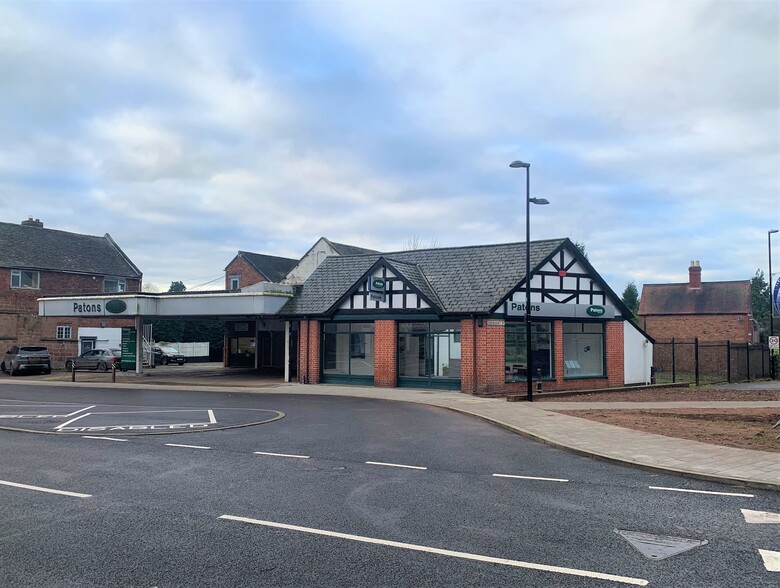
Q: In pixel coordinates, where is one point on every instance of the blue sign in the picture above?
(776, 295)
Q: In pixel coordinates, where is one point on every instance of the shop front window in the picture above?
(429, 350)
(348, 349)
(583, 350)
(516, 358)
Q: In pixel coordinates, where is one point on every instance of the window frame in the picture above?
(19, 273)
(62, 330)
(550, 332)
(121, 284)
(602, 333)
(231, 279)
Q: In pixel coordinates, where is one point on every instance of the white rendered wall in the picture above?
(637, 355)
(105, 338)
(309, 262)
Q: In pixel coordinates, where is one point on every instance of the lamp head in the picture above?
(519, 163)
(772, 231)
(538, 201)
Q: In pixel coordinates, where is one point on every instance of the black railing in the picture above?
(709, 362)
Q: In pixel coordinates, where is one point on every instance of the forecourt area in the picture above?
(62, 418)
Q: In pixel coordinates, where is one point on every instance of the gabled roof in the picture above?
(272, 268)
(26, 247)
(712, 298)
(463, 279)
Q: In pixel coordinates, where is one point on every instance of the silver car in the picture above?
(27, 358)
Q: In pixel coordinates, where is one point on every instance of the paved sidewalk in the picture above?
(538, 421)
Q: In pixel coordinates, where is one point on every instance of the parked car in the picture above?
(27, 358)
(95, 359)
(164, 354)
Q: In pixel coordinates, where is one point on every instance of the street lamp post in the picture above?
(528, 201)
(771, 302)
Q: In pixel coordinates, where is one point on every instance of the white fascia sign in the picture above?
(553, 310)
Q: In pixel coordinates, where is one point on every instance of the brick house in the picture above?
(37, 262)
(248, 268)
(711, 311)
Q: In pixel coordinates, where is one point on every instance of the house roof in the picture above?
(712, 298)
(343, 249)
(459, 279)
(28, 247)
(273, 268)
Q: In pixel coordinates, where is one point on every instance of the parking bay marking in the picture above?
(701, 491)
(102, 438)
(447, 552)
(48, 490)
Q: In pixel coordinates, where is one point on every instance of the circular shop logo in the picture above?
(116, 306)
(596, 310)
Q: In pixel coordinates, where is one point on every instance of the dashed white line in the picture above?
(81, 416)
(396, 465)
(48, 490)
(281, 454)
(447, 552)
(103, 438)
(760, 517)
(771, 559)
(212, 418)
(529, 478)
(80, 410)
(187, 446)
(701, 491)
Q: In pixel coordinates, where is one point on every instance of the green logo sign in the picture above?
(596, 310)
(116, 306)
(378, 284)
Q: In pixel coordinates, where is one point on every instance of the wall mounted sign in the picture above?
(376, 289)
(116, 306)
(553, 310)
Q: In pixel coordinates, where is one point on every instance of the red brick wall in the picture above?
(707, 327)
(247, 275)
(309, 352)
(385, 354)
(467, 356)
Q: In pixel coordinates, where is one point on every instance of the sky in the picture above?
(191, 130)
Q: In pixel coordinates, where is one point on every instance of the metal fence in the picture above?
(709, 362)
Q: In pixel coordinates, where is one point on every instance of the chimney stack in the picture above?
(694, 276)
(32, 223)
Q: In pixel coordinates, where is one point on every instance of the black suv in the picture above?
(27, 358)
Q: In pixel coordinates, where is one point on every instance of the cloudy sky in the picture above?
(190, 130)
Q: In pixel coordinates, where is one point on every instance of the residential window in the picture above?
(429, 350)
(516, 358)
(583, 350)
(63, 331)
(234, 282)
(348, 349)
(25, 279)
(114, 285)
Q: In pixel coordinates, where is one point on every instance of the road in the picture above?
(340, 492)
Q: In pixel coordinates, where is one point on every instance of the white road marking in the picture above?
(212, 418)
(49, 490)
(66, 423)
(148, 411)
(771, 559)
(103, 438)
(80, 410)
(701, 491)
(759, 517)
(447, 552)
(396, 465)
(187, 446)
(530, 478)
(281, 454)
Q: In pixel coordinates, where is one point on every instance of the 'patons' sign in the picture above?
(101, 307)
(553, 310)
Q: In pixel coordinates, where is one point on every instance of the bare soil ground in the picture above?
(747, 428)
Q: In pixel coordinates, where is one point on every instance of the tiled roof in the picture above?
(272, 267)
(37, 248)
(462, 279)
(343, 249)
(711, 298)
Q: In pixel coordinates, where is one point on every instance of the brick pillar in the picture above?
(385, 354)
(558, 360)
(490, 358)
(309, 352)
(467, 356)
(615, 355)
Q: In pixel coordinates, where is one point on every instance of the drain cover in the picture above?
(659, 546)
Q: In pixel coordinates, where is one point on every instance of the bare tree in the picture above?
(414, 242)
